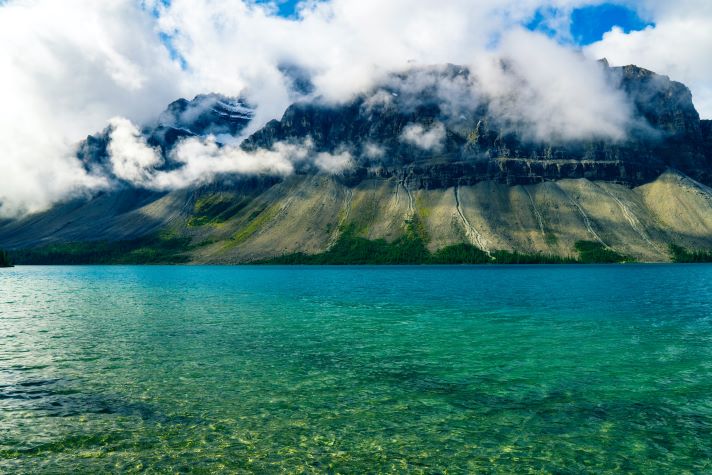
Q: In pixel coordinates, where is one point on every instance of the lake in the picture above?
(494, 369)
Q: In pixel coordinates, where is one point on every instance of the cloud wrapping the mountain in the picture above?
(69, 67)
(373, 151)
(199, 160)
(334, 164)
(202, 159)
(431, 139)
(344, 46)
(566, 97)
(132, 159)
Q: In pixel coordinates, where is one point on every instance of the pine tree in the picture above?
(5, 259)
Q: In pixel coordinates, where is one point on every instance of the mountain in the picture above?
(435, 177)
(222, 116)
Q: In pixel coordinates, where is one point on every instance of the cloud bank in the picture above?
(69, 67)
(566, 97)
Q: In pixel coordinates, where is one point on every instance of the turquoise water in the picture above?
(356, 370)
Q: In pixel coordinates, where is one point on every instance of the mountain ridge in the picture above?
(462, 174)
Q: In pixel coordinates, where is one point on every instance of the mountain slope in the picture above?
(307, 214)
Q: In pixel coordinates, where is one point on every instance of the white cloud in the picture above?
(131, 157)
(200, 160)
(374, 151)
(66, 68)
(334, 164)
(430, 139)
(565, 97)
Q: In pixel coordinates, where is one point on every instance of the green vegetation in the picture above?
(215, 209)
(592, 252)
(351, 249)
(160, 249)
(408, 249)
(681, 255)
(469, 254)
(5, 260)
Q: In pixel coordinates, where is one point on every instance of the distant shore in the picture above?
(348, 250)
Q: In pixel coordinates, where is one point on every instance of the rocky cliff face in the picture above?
(706, 132)
(478, 145)
(475, 143)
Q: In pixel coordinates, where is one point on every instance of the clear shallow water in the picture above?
(425, 369)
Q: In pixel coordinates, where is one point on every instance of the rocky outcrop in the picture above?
(477, 144)
(512, 171)
(706, 131)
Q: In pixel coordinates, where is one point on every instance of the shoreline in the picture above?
(420, 266)
(347, 251)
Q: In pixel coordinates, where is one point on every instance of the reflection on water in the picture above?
(406, 370)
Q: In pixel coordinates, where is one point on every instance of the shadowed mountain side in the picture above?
(308, 214)
(121, 215)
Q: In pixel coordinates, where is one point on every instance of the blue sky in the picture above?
(588, 24)
(286, 7)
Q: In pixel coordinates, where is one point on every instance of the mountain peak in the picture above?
(212, 113)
